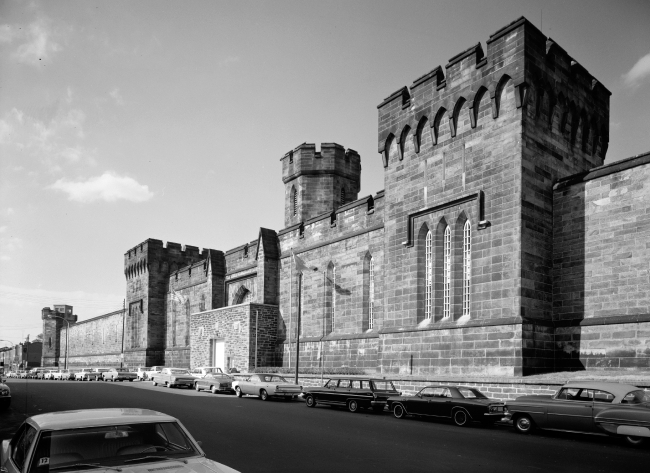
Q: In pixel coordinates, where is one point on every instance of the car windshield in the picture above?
(213, 370)
(636, 397)
(75, 449)
(103, 370)
(384, 386)
(179, 372)
(469, 393)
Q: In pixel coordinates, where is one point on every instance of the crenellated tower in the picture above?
(54, 332)
(318, 182)
(471, 151)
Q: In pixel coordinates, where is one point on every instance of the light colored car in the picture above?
(589, 407)
(5, 396)
(141, 372)
(61, 375)
(49, 374)
(154, 370)
(117, 374)
(105, 439)
(201, 371)
(173, 377)
(89, 374)
(266, 386)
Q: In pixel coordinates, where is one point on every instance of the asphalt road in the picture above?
(277, 436)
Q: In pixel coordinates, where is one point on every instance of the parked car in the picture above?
(458, 403)
(266, 386)
(589, 407)
(118, 374)
(353, 393)
(90, 374)
(39, 373)
(106, 439)
(215, 383)
(141, 372)
(5, 396)
(154, 370)
(61, 375)
(201, 371)
(173, 377)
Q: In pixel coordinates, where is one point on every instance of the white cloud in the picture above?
(53, 135)
(9, 245)
(117, 96)
(639, 72)
(108, 187)
(36, 41)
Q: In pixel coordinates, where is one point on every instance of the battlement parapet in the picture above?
(331, 159)
(165, 257)
(540, 71)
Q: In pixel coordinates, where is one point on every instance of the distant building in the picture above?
(500, 245)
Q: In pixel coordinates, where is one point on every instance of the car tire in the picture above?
(167, 385)
(460, 417)
(353, 405)
(264, 396)
(197, 387)
(130, 380)
(399, 412)
(238, 392)
(523, 424)
(633, 441)
(213, 389)
(310, 401)
(154, 382)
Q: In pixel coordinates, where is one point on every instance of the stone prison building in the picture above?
(501, 244)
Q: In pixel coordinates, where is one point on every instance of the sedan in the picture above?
(215, 383)
(460, 404)
(587, 407)
(266, 386)
(116, 374)
(107, 440)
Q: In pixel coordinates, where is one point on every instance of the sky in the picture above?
(122, 121)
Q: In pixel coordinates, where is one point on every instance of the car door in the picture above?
(247, 386)
(440, 404)
(420, 404)
(572, 409)
(341, 393)
(328, 392)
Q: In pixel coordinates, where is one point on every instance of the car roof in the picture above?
(617, 389)
(96, 418)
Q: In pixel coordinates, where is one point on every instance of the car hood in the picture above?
(536, 397)
(194, 465)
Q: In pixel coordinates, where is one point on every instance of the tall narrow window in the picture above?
(294, 201)
(300, 302)
(371, 294)
(333, 317)
(342, 196)
(467, 266)
(428, 267)
(446, 301)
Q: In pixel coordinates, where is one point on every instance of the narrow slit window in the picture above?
(371, 294)
(333, 298)
(342, 196)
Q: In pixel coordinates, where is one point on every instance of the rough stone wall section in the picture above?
(236, 326)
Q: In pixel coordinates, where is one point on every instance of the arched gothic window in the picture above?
(187, 322)
(428, 267)
(446, 275)
(371, 294)
(294, 201)
(300, 302)
(467, 266)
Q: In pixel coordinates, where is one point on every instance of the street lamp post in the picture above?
(66, 336)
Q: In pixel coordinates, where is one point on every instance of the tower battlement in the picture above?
(317, 182)
(542, 73)
(168, 257)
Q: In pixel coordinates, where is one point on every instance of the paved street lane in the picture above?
(251, 435)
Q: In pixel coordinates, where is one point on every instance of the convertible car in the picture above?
(104, 440)
(460, 404)
(586, 407)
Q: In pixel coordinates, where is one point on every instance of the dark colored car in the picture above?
(588, 407)
(352, 393)
(458, 403)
